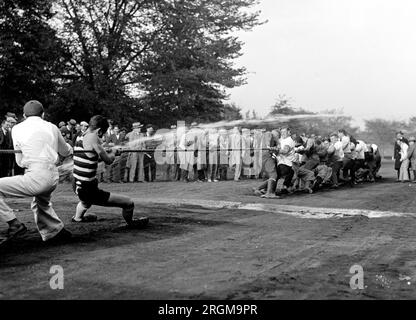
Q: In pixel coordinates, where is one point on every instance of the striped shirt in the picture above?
(85, 167)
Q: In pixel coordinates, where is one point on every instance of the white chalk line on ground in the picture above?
(297, 211)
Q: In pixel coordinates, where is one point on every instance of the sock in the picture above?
(128, 213)
(80, 211)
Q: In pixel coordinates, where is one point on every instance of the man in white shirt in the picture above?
(335, 158)
(360, 149)
(40, 143)
(348, 162)
(286, 157)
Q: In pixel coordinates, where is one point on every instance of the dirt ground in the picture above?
(203, 243)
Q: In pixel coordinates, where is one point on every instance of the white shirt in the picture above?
(40, 142)
(289, 157)
(213, 140)
(339, 153)
(361, 148)
(346, 144)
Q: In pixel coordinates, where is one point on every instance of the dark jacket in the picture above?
(117, 141)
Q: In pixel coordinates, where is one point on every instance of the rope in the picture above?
(151, 150)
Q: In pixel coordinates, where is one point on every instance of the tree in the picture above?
(31, 56)
(162, 60)
(231, 112)
(107, 41)
(330, 121)
(192, 62)
(383, 132)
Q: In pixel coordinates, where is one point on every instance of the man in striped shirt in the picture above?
(88, 151)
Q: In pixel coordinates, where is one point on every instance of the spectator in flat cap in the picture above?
(12, 115)
(67, 136)
(71, 129)
(137, 125)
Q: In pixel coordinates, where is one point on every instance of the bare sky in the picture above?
(359, 55)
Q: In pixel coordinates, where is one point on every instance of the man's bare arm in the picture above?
(95, 145)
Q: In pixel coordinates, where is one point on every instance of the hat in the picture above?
(72, 121)
(61, 124)
(11, 119)
(150, 126)
(412, 139)
(84, 123)
(11, 114)
(194, 124)
(33, 108)
(137, 125)
(64, 130)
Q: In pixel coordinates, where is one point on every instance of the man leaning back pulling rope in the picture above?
(85, 183)
(40, 143)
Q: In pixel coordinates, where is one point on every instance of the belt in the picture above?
(41, 165)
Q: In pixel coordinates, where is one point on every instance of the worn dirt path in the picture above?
(208, 249)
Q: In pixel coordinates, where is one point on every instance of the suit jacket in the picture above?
(117, 141)
(5, 140)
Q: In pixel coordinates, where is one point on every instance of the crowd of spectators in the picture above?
(209, 154)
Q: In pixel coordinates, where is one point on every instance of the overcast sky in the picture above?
(359, 55)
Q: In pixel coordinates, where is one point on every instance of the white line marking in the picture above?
(297, 211)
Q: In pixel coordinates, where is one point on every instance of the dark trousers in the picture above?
(178, 172)
(5, 165)
(149, 163)
(348, 167)
(222, 172)
(358, 164)
(172, 172)
(201, 174)
(286, 172)
(336, 167)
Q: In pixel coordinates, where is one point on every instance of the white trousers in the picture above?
(39, 181)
